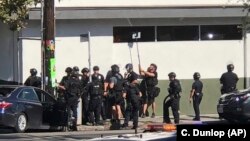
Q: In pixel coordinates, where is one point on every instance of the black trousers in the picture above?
(132, 109)
(196, 104)
(95, 106)
(85, 110)
(174, 104)
(104, 108)
(72, 104)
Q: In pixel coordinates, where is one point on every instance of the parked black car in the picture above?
(235, 106)
(24, 107)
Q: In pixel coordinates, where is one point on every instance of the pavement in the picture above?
(143, 122)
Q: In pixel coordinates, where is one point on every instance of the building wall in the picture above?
(128, 3)
(207, 57)
(8, 54)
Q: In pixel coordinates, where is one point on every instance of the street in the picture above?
(93, 132)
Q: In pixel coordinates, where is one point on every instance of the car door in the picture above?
(29, 103)
(52, 115)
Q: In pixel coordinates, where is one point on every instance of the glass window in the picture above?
(221, 32)
(125, 34)
(28, 94)
(4, 92)
(177, 33)
(44, 97)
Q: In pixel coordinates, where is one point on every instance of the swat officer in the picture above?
(133, 95)
(196, 94)
(95, 90)
(150, 82)
(73, 90)
(85, 96)
(33, 80)
(64, 81)
(76, 69)
(174, 99)
(229, 80)
(116, 93)
(100, 78)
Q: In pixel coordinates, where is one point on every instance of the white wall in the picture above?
(208, 57)
(131, 3)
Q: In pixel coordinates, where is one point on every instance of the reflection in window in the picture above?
(177, 33)
(124, 34)
(28, 94)
(221, 32)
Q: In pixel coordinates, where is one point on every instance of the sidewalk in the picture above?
(143, 122)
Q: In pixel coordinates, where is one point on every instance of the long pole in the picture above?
(89, 52)
(42, 48)
(49, 45)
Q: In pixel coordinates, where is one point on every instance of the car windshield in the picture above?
(4, 91)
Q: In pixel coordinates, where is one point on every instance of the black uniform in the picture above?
(95, 90)
(34, 81)
(173, 102)
(85, 100)
(133, 100)
(197, 97)
(148, 88)
(73, 89)
(228, 81)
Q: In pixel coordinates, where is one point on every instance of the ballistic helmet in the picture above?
(76, 69)
(197, 75)
(172, 74)
(115, 69)
(68, 70)
(33, 72)
(85, 70)
(230, 67)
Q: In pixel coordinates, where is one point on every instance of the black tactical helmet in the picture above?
(68, 70)
(115, 69)
(96, 68)
(129, 67)
(172, 74)
(85, 70)
(33, 71)
(197, 75)
(230, 67)
(75, 68)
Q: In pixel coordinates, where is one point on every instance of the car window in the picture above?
(4, 92)
(44, 97)
(28, 94)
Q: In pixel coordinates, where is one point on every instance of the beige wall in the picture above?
(131, 3)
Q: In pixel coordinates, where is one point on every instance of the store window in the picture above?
(177, 33)
(135, 33)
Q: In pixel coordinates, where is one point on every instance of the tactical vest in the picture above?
(119, 84)
(96, 89)
(74, 87)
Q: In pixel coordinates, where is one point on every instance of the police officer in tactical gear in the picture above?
(33, 80)
(95, 91)
(148, 88)
(116, 93)
(173, 99)
(73, 90)
(229, 80)
(64, 81)
(85, 96)
(133, 95)
(100, 78)
(196, 95)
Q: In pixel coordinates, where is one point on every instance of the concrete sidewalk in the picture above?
(143, 122)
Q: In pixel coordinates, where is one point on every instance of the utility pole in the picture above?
(49, 45)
